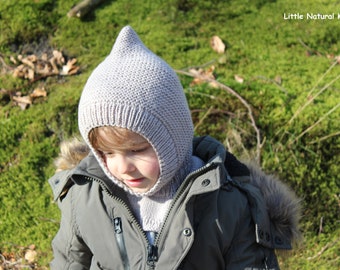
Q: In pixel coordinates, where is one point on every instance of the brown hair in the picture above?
(116, 138)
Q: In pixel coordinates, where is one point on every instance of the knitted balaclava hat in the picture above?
(135, 89)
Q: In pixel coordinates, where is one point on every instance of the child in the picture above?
(150, 196)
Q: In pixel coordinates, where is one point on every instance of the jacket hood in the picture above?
(283, 206)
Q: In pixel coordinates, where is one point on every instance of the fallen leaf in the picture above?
(38, 92)
(44, 57)
(55, 69)
(59, 58)
(29, 61)
(70, 68)
(217, 44)
(13, 60)
(18, 72)
(238, 78)
(29, 74)
(32, 65)
(203, 76)
(23, 102)
(337, 58)
(30, 255)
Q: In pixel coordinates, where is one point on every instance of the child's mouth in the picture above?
(134, 182)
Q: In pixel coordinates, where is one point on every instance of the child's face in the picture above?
(135, 164)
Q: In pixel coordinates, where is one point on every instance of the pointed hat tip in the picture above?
(127, 38)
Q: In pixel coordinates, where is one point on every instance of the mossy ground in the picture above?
(290, 81)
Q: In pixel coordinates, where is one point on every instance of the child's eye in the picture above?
(107, 154)
(139, 150)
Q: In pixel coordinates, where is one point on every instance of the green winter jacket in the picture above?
(218, 219)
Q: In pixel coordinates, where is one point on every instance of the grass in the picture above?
(291, 83)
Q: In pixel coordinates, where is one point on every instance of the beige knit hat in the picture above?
(135, 89)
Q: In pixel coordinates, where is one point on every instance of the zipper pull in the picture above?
(117, 222)
(152, 255)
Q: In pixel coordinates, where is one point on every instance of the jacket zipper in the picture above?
(152, 249)
(117, 222)
(179, 194)
(152, 255)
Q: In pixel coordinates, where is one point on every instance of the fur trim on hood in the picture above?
(71, 153)
(283, 206)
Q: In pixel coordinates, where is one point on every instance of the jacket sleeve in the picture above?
(69, 250)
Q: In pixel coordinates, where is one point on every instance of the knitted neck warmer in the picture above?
(151, 210)
(135, 89)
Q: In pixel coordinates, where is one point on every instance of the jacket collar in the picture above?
(206, 148)
(212, 175)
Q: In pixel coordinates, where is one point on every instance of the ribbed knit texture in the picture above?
(151, 210)
(135, 89)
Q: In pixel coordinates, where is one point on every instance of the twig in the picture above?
(243, 101)
(309, 48)
(317, 94)
(321, 225)
(82, 8)
(274, 82)
(282, 131)
(329, 245)
(201, 66)
(315, 124)
(50, 220)
(202, 118)
(325, 137)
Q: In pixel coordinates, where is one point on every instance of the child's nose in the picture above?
(125, 165)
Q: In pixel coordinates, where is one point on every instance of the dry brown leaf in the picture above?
(70, 68)
(23, 99)
(337, 58)
(24, 72)
(217, 44)
(29, 74)
(43, 67)
(59, 58)
(13, 60)
(30, 255)
(55, 69)
(38, 92)
(44, 57)
(18, 72)
(32, 58)
(203, 76)
(238, 78)
(32, 65)
(23, 102)
(28, 61)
